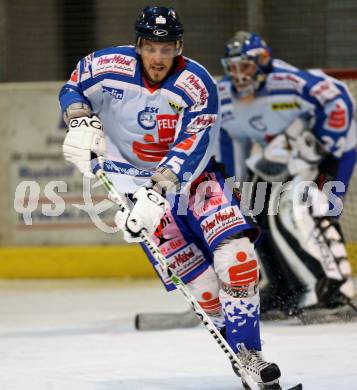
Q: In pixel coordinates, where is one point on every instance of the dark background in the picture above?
(44, 39)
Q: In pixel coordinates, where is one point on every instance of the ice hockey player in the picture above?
(150, 115)
(304, 122)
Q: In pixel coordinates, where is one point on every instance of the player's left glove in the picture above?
(146, 214)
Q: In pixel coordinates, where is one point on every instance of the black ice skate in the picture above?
(263, 373)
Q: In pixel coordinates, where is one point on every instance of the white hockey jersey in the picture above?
(287, 94)
(173, 125)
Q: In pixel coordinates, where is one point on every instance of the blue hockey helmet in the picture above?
(159, 24)
(247, 61)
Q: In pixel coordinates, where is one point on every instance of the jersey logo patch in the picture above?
(323, 91)
(74, 76)
(220, 222)
(206, 195)
(114, 63)
(176, 107)
(285, 106)
(168, 236)
(187, 144)
(116, 93)
(147, 117)
(257, 123)
(194, 87)
(279, 81)
(200, 123)
(166, 126)
(337, 117)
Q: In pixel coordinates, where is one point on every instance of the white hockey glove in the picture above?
(306, 154)
(278, 150)
(306, 149)
(85, 136)
(146, 214)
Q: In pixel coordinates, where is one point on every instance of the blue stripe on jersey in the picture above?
(69, 95)
(226, 101)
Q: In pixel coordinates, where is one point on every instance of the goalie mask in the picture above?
(247, 61)
(160, 24)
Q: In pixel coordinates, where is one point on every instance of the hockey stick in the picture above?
(120, 201)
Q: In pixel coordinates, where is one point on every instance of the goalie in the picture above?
(303, 121)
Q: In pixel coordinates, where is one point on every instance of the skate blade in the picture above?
(277, 386)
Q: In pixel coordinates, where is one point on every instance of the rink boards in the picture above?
(85, 261)
(53, 241)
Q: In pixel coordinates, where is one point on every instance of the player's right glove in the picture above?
(85, 136)
(145, 216)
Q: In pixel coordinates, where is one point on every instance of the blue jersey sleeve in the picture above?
(197, 129)
(118, 63)
(72, 91)
(333, 112)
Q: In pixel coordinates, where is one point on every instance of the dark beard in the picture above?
(150, 81)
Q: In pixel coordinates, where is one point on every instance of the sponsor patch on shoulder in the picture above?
(324, 90)
(194, 88)
(284, 80)
(114, 63)
(337, 116)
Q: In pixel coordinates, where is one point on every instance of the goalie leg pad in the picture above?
(314, 250)
(236, 264)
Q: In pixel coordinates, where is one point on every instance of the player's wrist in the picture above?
(76, 110)
(164, 181)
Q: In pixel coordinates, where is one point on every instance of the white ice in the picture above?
(79, 335)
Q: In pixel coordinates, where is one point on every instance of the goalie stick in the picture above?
(188, 319)
(237, 365)
(165, 321)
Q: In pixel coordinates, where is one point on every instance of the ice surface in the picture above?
(79, 335)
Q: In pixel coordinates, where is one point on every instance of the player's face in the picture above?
(241, 70)
(157, 58)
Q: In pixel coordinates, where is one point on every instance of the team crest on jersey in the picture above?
(257, 123)
(227, 116)
(147, 117)
(114, 63)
